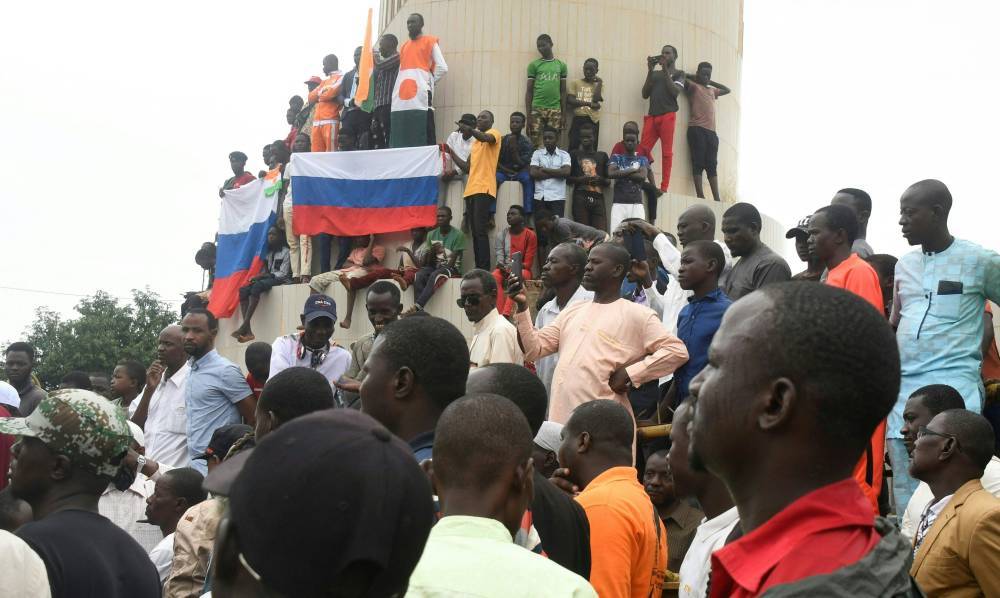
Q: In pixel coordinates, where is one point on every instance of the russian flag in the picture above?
(363, 192)
(247, 213)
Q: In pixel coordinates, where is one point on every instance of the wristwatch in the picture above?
(142, 463)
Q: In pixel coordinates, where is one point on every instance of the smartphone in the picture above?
(636, 245)
(517, 264)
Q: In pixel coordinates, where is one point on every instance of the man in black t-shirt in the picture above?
(661, 88)
(71, 447)
(589, 175)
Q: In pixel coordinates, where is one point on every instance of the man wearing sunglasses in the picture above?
(956, 543)
(494, 339)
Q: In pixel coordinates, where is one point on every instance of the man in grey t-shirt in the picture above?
(758, 265)
(861, 203)
(559, 230)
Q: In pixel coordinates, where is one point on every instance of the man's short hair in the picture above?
(630, 124)
(446, 208)
(523, 388)
(77, 379)
(258, 352)
(821, 338)
(391, 37)
(478, 436)
(864, 200)
(542, 213)
(548, 129)
(434, 350)
(489, 283)
(710, 250)
(934, 192)
(21, 347)
(841, 217)
(594, 60)
(186, 483)
(134, 370)
(213, 322)
(521, 114)
(939, 397)
(587, 127)
(677, 54)
(883, 263)
(704, 64)
(607, 422)
(546, 37)
(618, 253)
(577, 256)
(744, 213)
(974, 434)
(295, 392)
(518, 207)
(383, 287)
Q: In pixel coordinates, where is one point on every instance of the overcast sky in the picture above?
(116, 123)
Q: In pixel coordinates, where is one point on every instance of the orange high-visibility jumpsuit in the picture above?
(326, 118)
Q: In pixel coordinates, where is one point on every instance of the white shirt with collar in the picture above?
(923, 496)
(163, 557)
(126, 508)
(494, 340)
(545, 367)
(287, 352)
(166, 422)
(554, 188)
(697, 565)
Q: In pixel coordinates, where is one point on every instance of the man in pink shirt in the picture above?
(605, 346)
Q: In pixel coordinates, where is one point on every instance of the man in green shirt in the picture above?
(445, 245)
(543, 100)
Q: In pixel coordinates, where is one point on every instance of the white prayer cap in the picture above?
(549, 436)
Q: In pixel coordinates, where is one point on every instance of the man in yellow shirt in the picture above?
(481, 186)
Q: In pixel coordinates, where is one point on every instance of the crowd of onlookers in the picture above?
(673, 413)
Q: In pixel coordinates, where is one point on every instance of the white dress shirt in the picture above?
(25, 573)
(554, 188)
(494, 340)
(286, 352)
(923, 496)
(126, 508)
(546, 366)
(697, 564)
(166, 422)
(163, 556)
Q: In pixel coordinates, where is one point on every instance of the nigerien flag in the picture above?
(411, 94)
(364, 97)
(246, 215)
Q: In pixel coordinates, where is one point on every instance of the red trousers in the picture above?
(660, 128)
(505, 305)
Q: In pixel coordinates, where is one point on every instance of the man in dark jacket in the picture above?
(800, 376)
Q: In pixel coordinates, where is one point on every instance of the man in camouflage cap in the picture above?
(68, 450)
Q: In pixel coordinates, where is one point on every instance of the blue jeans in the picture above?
(527, 187)
(902, 484)
(324, 252)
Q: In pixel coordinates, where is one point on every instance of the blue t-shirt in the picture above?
(696, 326)
(627, 190)
(214, 386)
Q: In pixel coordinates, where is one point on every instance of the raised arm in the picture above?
(723, 90)
(536, 343)
(647, 86)
(368, 259)
(153, 377)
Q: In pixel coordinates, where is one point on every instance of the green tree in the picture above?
(105, 332)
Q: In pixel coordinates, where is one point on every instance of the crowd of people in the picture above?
(681, 412)
(480, 158)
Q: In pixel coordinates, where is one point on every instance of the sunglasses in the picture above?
(470, 300)
(925, 431)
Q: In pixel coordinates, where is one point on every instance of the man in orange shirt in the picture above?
(326, 98)
(628, 544)
(832, 231)
(481, 186)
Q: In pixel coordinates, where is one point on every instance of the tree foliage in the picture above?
(106, 331)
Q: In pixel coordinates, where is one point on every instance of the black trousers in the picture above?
(479, 222)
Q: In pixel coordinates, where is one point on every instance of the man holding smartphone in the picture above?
(661, 88)
(516, 246)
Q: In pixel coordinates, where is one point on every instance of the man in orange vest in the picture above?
(421, 65)
(326, 118)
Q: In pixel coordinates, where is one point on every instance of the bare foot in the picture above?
(246, 338)
(237, 333)
(344, 280)
(345, 323)
(306, 279)
(413, 309)
(403, 285)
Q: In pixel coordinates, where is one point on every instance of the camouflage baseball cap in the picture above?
(77, 423)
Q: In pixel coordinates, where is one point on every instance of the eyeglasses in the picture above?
(925, 431)
(471, 300)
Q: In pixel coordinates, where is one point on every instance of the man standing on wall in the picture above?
(544, 97)
(661, 89)
(421, 66)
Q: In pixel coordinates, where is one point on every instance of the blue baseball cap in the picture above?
(319, 306)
